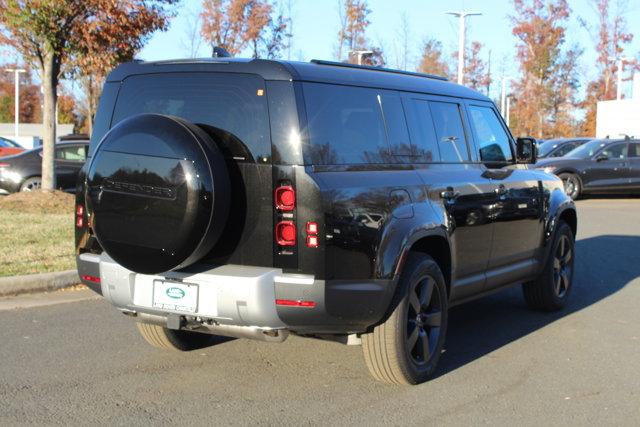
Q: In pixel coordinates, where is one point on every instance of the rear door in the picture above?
(455, 183)
(517, 213)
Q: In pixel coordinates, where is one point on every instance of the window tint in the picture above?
(74, 153)
(423, 134)
(395, 122)
(234, 105)
(449, 131)
(493, 140)
(616, 151)
(103, 115)
(564, 149)
(345, 125)
(634, 149)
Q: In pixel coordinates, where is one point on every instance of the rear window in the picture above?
(233, 107)
(345, 125)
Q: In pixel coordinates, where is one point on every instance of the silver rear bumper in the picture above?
(233, 300)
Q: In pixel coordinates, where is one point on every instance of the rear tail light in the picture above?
(285, 198)
(286, 233)
(4, 165)
(79, 216)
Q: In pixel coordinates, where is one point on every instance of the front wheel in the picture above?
(550, 291)
(405, 349)
(572, 186)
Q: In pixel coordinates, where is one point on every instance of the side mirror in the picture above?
(526, 150)
(601, 157)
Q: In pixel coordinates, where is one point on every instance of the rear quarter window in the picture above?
(231, 107)
(345, 125)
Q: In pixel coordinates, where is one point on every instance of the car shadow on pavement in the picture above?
(604, 265)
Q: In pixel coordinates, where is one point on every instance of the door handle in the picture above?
(501, 190)
(449, 193)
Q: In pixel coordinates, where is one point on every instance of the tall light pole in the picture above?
(461, 16)
(621, 61)
(16, 77)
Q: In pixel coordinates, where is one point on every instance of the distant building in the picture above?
(30, 134)
(615, 118)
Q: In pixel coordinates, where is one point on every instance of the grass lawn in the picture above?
(36, 233)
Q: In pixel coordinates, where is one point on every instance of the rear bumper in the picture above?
(234, 296)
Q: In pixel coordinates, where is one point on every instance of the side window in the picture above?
(345, 125)
(77, 153)
(493, 141)
(395, 122)
(423, 134)
(447, 122)
(617, 151)
(634, 149)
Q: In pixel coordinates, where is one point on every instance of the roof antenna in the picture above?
(219, 52)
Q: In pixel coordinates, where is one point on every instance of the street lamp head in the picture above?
(463, 14)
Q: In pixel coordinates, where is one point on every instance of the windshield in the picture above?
(546, 147)
(4, 142)
(587, 150)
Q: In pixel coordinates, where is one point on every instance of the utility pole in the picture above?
(16, 96)
(461, 16)
(621, 61)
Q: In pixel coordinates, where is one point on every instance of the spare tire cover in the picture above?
(157, 193)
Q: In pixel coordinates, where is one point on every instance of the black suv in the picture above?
(255, 198)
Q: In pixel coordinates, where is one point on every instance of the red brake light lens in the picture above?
(286, 233)
(92, 279)
(285, 198)
(4, 165)
(295, 303)
(79, 210)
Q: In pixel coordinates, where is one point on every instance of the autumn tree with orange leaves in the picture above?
(612, 36)
(352, 35)
(234, 24)
(545, 93)
(119, 31)
(477, 75)
(29, 110)
(432, 60)
(48, 33)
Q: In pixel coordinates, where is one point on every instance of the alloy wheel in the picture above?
(424, 320)
(562, 266)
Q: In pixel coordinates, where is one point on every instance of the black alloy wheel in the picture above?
(424, 320)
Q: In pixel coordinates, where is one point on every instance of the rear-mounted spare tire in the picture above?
(158, 193)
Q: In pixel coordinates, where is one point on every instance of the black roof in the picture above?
(315, 71)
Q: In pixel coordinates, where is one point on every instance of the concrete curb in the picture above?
(14, 285)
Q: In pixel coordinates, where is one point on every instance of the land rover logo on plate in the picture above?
(175, 293)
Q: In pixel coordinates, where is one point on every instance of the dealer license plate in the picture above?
(175, 296)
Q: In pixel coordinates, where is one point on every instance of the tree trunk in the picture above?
(49, 87)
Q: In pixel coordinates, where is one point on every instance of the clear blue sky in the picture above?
(315, 25)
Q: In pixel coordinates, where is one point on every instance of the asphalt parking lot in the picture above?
(80, 362)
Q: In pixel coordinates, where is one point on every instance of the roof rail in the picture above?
(370, 67)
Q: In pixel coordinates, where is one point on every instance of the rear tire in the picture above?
(31, 184)
(169, 339)
(550, 291)
(395, 350)
(572, 185)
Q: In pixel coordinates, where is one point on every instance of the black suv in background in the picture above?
(255, 198)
